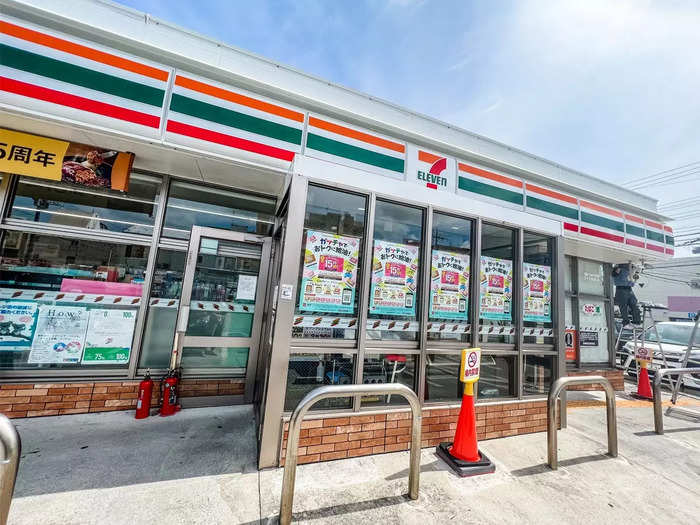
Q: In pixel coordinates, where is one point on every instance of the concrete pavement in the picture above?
(191, 469)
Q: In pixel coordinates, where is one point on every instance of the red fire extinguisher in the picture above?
(143, 405)
(169, 404)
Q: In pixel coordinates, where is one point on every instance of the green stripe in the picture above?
(79, 76)
(551, 207)
(655, 236)
(669, 240)
(490, 191)
(602, 221)
(234, 119)
(634, 230)
(348, 151)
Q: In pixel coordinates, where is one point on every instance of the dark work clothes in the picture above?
(625, 299)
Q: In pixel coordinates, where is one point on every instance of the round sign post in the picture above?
(463, 454)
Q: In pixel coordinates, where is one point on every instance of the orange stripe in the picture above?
(424, 156)
(634, 219)
(550, 193)
(82, 51)
(653, 224)
(357, 135)
(598, 207)
(668, 229)
(490, 175)
(237, 98)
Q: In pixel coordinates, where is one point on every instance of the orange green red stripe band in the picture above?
(82, 51)
(551, 193)
(237, 98)
(603, 209)
(490, 175)
(357, 135)
(429, 158)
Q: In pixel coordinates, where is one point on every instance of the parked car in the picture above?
(675, 337)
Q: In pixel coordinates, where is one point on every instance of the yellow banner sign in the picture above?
(45, 158)
(31, 155)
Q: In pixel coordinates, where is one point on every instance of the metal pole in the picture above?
(684, 363)
(12, 447)
(560, 385)
(658, 377)
(325, 392)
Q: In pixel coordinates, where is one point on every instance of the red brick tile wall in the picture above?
(347, 437)
(615, 377)
(53, 399)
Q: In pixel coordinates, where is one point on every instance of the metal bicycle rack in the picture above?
(325, 392)
(561, 384)
(11, 447)
(658, 377)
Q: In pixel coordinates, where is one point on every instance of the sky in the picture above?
(609, 88)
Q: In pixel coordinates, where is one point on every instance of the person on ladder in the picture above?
(624, 277)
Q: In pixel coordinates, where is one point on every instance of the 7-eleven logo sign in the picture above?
(433, 171)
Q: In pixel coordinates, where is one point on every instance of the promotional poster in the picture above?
(329, 276)
(496, 283)
(17, 323)
(60, 334)
(537, 293)
(109, 336)
(394, 279)
(449, 285)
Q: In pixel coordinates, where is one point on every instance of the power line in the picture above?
(662, 172)
(668, 178)
(664, 204)
(680, 171)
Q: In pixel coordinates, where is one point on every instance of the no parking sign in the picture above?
(471, 362)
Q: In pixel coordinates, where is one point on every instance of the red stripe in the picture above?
(431, 185)
(73, 101)
(570, 227)
(655, 248)
(600, 234)
(669, 251)
(228, 140)
(668, 229)
(632, 242)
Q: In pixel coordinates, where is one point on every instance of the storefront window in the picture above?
(496, 377)
(538, 373)
(334, 229)
(64, 204)
(193, 204)
(309, 371)
(395, 278)
(496, 315)
(68, 302)
(591, 278)
(537, 289)
(389, 368)
(442, 378)
(158, 336)
(448, 316)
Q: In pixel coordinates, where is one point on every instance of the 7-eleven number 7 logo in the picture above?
(435, 177)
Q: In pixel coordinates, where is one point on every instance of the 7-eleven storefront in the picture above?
(279, 239)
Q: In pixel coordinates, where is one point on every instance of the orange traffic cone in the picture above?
(643, 384)
(463, 454)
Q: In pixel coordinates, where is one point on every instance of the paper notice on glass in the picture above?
(537, 293)
(449, 285)
(394, 279)
(109, 335)
(17, 322)
(496, 282)
(60, 334)
(246, 287)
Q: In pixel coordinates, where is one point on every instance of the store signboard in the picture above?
(109, 334)
(430, 169)
(17, 323)
(496, 278)
(394, 279)
(537, 293)
(329, 277)
(59, 335)
(449, 285)
(59, 160)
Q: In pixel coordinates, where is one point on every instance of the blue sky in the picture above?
(606, 87)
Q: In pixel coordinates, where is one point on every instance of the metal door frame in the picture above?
(186, 296)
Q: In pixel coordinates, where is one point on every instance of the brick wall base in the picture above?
(347, 437)
(615, 377)
(53, 399)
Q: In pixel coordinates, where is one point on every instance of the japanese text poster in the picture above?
(496, 283)
(60, 334)
(109, 336)
(17, 322)
(537, 293)
(330, 273)
(394, 278)
(449, 285)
